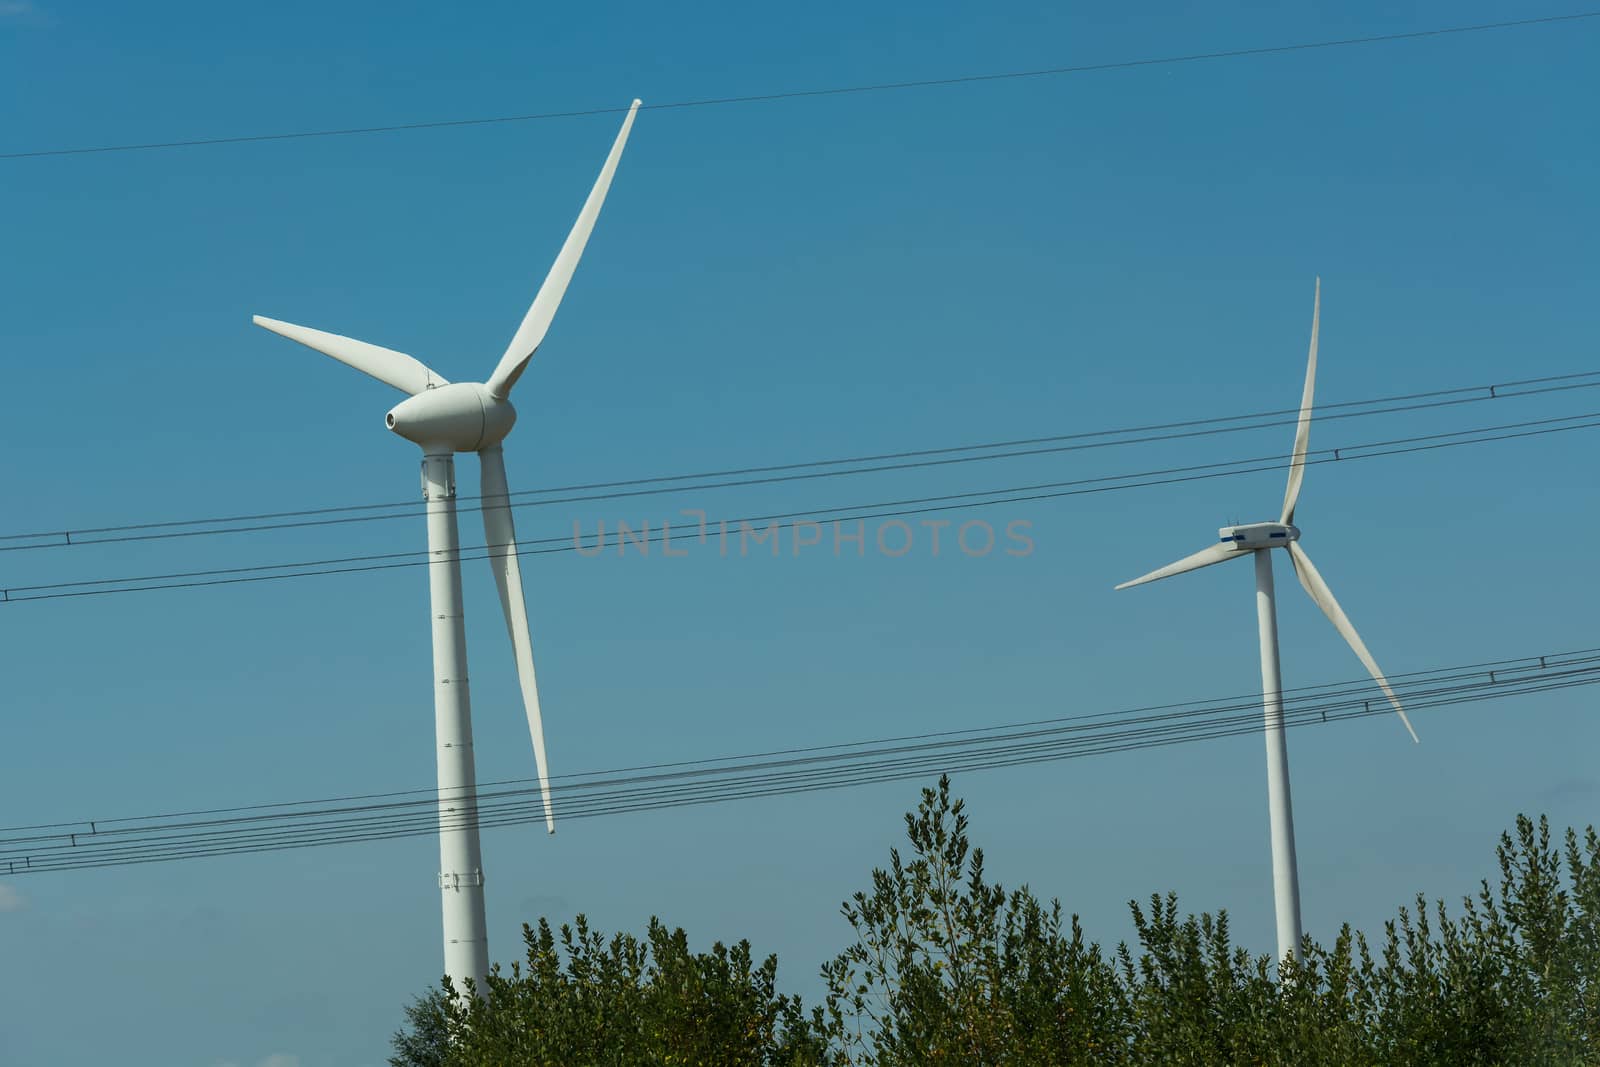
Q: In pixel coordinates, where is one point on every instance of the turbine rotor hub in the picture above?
(463, 417)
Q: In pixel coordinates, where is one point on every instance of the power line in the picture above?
(804, 470)
(263, 828)
(1305, 693)
(848, 90)
(1504, 681)
(1299, 695)
(841, 513)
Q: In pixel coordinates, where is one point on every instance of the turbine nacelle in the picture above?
(1259, 535)
(463, 417)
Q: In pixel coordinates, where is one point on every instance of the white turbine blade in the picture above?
(1302, 433)
(534, 324)
(1217, 553)
(501, 537)
(404, 372)
(1314, 585)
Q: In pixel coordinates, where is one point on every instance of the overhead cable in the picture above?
(262, 828)
(338, 515)
(841, 90)
(888, 509)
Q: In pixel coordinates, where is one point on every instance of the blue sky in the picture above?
(769, 282)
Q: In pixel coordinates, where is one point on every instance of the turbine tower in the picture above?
(469, 417)
(1256, 539)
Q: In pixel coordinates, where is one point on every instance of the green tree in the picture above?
(1511, 981)
(425, 1040)
(583, 1000)
(948, 968)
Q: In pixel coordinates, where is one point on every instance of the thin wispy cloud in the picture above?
(276, 1059)
(1572, 789)
(23, 13)
(11, 899)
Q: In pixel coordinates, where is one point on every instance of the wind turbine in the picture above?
(1257, 539)
(469, 417)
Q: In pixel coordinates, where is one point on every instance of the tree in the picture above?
(947, 968)
(427, 1041)
(587, 1001)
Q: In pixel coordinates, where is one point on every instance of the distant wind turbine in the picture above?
(469, 417)
(1256, 539)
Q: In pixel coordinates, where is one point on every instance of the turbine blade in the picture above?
(404, 372)
(1217, 553)
(1311, 579)
(1302, 432)
(531, 333)
(501, 538)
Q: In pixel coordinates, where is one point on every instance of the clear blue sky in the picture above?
(769, 282)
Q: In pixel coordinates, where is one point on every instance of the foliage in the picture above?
(946, 967)
(619, 1003)
(427, 1042)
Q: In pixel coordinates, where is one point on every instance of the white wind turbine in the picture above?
(445, 419)
(1256, 539)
